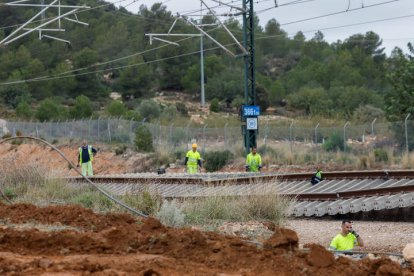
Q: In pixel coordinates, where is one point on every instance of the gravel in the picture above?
(377, 236)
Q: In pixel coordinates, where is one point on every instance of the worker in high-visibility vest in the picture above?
(193, 159)
(85, 158)
(317, 177)
(253, 161)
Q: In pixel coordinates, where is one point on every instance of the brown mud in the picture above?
(120, 244)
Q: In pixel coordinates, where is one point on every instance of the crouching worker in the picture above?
(317, 177)
(346, 239)
(193, 160)
(253, 161)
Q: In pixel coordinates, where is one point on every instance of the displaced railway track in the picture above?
(336, 185)
(338, 193)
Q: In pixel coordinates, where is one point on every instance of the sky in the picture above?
(394, 18)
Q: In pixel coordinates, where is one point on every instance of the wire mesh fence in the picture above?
(398, 135)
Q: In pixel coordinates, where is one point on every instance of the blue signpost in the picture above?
(251, 110)
(250, 114)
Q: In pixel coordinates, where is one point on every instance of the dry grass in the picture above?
(33, 184)
(261, 203)
(407, 160)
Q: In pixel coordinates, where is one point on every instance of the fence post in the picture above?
(204, 139)
(89, 128)
(187, 132)
(131, 122)
(99, 134)
(170, 140)
(109, 130)
(316, 133)
(225, 134)
(347, 123)
(157, 132)
(71, 128)
(290, 137)
(406, 132)
(266, 131)
(372, 126)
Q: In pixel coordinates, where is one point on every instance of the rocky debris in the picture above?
(318, 256)
(284, 239)
(119, 244)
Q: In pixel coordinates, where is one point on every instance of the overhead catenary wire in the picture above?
(119, 12)
(103, 6)
(45, 78)
(117, 201)
(64, 74)
(292, 2)
(331, 14)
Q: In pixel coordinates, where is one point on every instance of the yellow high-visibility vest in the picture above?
(90, 154)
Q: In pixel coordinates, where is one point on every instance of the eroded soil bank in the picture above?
(70, 240)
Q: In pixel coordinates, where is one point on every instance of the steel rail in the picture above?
(249, 178)
(210, 180)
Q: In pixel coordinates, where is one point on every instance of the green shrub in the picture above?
(215, 160)
(181, 108)
(237, 103)
(10, 194)
(214, 105)
(169, 113)
(93, 200)
(133, 115)
(334, 142)
(149, 109)
(146, 201)
(120, 149)
(50, 110)
(82, 108)
(178, 136)
(380, 155)
(23, 110)
(367, 113)
(143, 139)
(170, 214)
(116, 109)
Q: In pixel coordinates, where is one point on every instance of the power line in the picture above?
(59, 76)
(331, 14)
(111, 61)
(93, 8)
(153, 49)
(347, 25)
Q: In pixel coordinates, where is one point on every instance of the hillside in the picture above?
(294, 76)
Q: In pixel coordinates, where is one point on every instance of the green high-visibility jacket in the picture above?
(254, 161)
(319, 174)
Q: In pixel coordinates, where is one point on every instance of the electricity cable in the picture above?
(182, 55)
(117, 201)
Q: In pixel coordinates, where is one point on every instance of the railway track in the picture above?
(339, 193)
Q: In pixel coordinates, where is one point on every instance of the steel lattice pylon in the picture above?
(249, 68)
(62, 12)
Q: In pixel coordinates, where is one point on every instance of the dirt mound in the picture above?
(72, 215)
(106, 161)
(119, 244)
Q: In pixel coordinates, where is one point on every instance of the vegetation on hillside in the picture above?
(308, 77)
